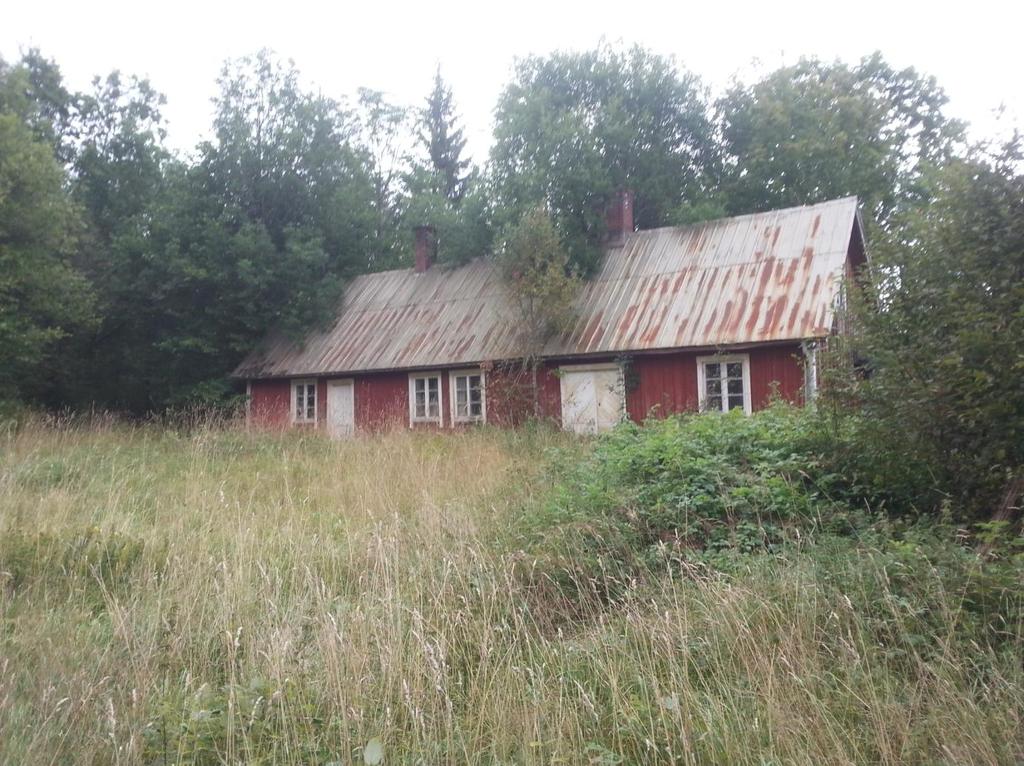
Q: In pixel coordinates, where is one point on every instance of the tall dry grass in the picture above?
(220, 596)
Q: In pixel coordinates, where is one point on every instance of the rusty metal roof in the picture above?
(764, 277)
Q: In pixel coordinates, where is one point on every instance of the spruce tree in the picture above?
(444, 142)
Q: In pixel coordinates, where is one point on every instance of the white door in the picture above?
(611, 405)
(341, 414)
(592, 398)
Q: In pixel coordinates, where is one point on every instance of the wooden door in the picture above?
(341, 415)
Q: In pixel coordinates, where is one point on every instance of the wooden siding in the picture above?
(667, 383)
(658, 385)
(270, 403)
(381, 401)
(662, 385)
(776, 369)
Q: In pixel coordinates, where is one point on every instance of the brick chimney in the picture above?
(426, 247)
(618, 216)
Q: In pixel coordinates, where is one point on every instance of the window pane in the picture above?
(714, 403)
(714, 387)
(712, 371)
(734, 369)
(433, 409)
(736, 402)
(476, 397)
(736, 386)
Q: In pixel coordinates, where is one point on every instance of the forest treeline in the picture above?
(134, 279)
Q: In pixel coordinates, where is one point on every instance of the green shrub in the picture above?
(692, 484)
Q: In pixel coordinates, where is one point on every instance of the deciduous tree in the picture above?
(816, 131)
(573, 128)
(942, 332)
(42, 297)
(541, 283)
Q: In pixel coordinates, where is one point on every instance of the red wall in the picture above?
(381, 401)
(660, 384)
(667, 383)
(270, 403)
(778, 368)
(663, 385)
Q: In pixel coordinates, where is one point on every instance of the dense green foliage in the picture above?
(444, 190)
(444, 143)
(817, 131)
(42, 297)
(695, 484)
(707, 491)
(572, 129)
(941, 330)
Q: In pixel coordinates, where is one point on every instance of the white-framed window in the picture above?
(425, 398)
(723, 383)
(468, 395)
(304, 401)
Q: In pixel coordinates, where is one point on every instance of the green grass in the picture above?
(224, 596)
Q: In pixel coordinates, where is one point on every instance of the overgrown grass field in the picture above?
(215, 595)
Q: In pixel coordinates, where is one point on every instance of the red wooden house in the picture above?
(718, 315)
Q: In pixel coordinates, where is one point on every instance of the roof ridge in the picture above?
(754, 214)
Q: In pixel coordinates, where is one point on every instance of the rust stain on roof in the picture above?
(762, 277)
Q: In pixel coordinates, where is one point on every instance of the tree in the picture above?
(443, 141)
(196, 262)
(42, 297)
(573, 128)
(260, 233)
(116, 174)
(942, 330)
(541, 283)
(816, 131)
(463, 231)
(443, 190)
(382, 134)
(33, 89)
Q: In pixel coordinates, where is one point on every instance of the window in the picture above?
(467, 392)
(425, 398)
(723, 383)
(304, 401)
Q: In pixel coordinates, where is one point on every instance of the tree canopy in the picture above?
(136, 279)
(817, 131)
(573, 128)
(941, 330)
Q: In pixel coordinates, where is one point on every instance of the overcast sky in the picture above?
(974, 49)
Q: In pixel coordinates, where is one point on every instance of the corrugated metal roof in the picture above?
(756, 278)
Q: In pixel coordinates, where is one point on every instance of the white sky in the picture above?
(972, 48)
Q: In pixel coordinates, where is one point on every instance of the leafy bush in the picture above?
(698, 483)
